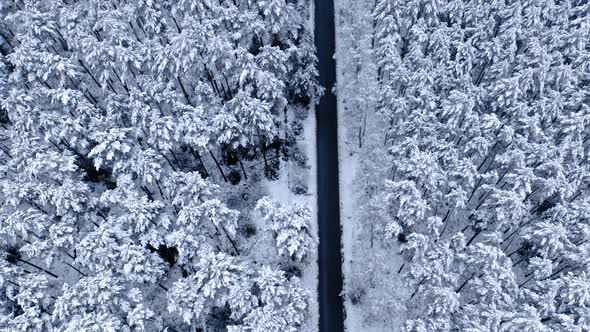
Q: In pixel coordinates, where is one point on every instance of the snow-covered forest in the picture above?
(158, 165)
(137, 142)
(477, 186)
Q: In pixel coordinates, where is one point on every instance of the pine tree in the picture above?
(290, 226)
(110, 114)
(486, 114)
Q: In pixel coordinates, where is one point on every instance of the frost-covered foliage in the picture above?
(290, 226)
(263, 300)
(110, 112)
(489, 106)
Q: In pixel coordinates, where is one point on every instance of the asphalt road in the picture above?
(329, 255)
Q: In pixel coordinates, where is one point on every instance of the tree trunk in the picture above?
(243, 169)
(218, 166)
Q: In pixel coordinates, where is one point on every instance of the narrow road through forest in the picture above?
(329, 255)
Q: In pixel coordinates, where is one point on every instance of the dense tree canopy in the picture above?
(489, 110)
(110, 111)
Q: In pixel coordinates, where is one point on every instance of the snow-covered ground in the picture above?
(281, 190)
(373, 289)
(291, 176)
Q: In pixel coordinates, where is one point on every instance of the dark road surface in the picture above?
(329, 256)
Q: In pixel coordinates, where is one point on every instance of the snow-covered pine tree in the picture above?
(290, 227)
(111, 115)
(488, 106)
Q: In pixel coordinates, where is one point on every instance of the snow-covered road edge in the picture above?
(347, 160)
(311, 273)
(309, 134)
(280, 191)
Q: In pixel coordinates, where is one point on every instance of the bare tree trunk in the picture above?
(218, 166)
(243, 169)
(265, 160)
